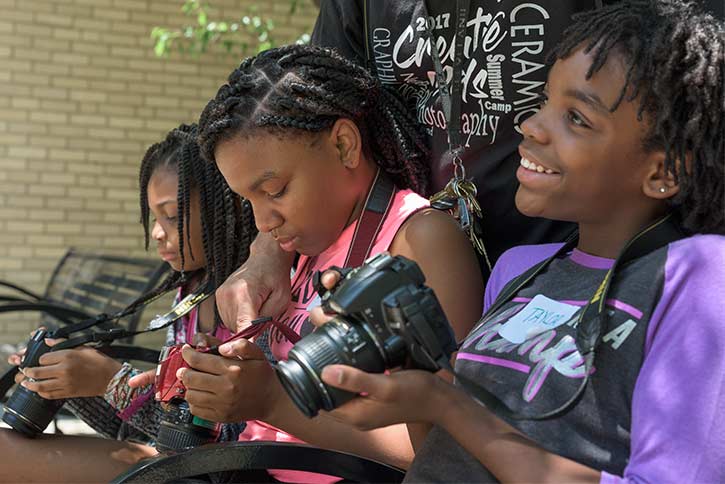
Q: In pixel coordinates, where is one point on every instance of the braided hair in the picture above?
(300, 88)
(227, 222)
(674, 57)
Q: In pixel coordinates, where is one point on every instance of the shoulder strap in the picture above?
(377, 205)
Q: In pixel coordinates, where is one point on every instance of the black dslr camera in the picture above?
(385, 318)
(26, 411)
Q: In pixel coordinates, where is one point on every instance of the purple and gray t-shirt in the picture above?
(654, 408)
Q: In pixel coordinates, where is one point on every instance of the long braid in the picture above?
(227, 227)
(222, 236)
(674, 57)
(307, 89)
(183, 198)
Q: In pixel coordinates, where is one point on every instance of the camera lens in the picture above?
(29, 413)
(337, 342)
(180, 430)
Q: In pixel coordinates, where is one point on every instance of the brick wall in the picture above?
(81, 97)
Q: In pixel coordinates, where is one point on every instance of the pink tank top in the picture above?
(304, 298)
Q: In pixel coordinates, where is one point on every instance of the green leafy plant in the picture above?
(251, 33)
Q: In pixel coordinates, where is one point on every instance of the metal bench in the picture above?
(83, 285)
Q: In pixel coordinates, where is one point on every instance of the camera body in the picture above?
(385, 318)
(26, 411)
(179, 429)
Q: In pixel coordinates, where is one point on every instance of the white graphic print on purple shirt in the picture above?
(553, 352)
(562, 357)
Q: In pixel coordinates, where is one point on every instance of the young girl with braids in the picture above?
(203, 230)
(630, 132)
(304, 134)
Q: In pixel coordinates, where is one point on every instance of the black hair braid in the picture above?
(227, 229)
(674, 57)
(307, 88)
(248, 228)
(157, 156)
(183, 199)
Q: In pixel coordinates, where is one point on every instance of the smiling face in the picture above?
(304, 190)
(162, 199)
(581, 162)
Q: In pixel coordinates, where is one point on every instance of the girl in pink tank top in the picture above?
(303, 134)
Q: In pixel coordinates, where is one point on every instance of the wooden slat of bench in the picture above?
(136, 284)
(81, 300)
(107, 291)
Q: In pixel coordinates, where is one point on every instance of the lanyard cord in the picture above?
(451, 99)
(179, 310)
(65, 331)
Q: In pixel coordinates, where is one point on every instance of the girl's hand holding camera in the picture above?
(78, 372)
(238, 385)
(401, 397)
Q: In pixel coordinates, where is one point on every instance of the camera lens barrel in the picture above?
(179, 430)
(337, 342)
(26, 411)
(29, 413)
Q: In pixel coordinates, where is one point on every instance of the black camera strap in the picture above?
(179, 310)
(66, 331)
(591, 321)
(104, 338)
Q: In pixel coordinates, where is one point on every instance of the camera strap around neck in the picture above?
(369, 223)
(592, 318)
(7, 380)
(378, 203)
(180, 309)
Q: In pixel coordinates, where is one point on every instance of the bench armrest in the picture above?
(65, 314)
(255, 456)
(19, 289)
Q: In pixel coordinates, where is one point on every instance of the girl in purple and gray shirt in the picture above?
(631, 130)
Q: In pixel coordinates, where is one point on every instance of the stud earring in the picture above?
(663, 189)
